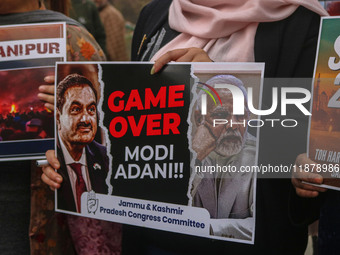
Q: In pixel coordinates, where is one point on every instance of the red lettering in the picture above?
(152, 124)
(54, 47)
(156, 124)
(42, 48)
(171, 122)
(112, 97)
(134, 101)
(29, 47)
(175, 99)
(136, 129)
(174, 94)
(2, 52)
(13, 50)
(159, 99)
(113, 127)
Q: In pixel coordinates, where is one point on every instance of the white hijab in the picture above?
(226, 29)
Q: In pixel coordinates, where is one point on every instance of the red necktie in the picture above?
(80, 183)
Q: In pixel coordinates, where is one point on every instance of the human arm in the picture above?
(305, 200)
(180, 55)
(301, 176)
(49, 175)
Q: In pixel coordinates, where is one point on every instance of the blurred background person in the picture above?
(28, 222)
(333, 7)
(283, 35)
(114, 25)
(86, 13)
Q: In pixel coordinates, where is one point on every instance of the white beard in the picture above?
(229, 148)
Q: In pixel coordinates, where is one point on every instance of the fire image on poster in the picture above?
(27, 54)
(162, 151)
(324, 137)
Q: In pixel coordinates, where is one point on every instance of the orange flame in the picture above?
(13, 108)
(48, 110)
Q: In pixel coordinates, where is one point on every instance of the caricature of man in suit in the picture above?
(227, 195)
(84, 162)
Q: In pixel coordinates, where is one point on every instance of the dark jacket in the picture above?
(288, 49)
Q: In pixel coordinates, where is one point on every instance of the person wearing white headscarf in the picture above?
(280, 33)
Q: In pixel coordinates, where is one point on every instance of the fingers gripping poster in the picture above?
(162, 151)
